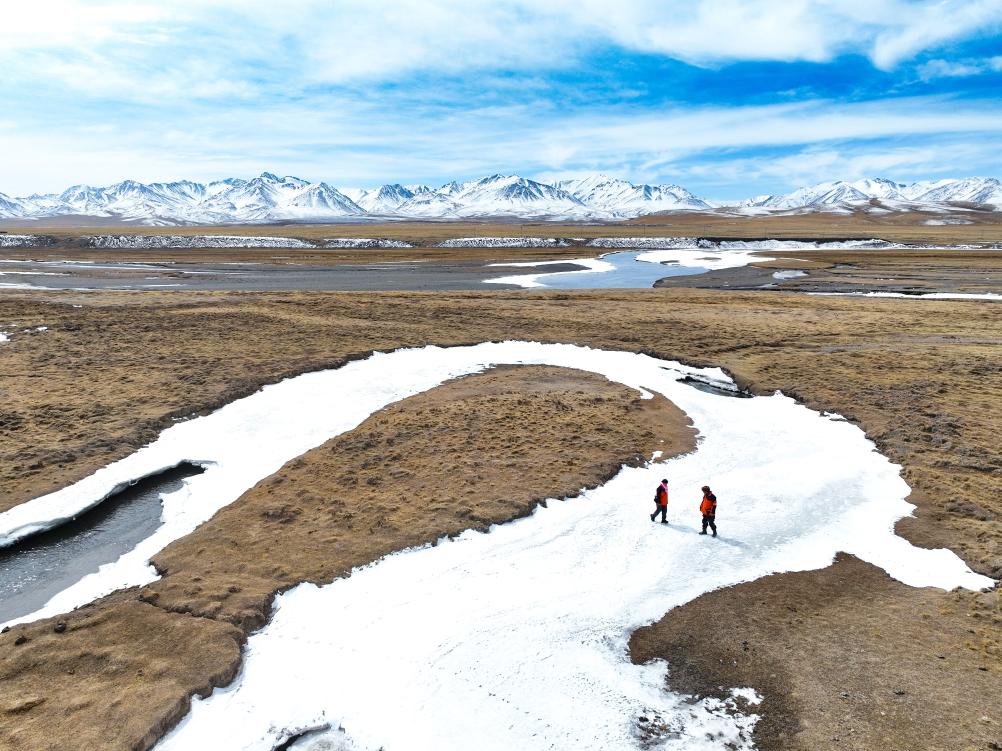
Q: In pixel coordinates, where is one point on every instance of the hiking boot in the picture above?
(703, 532)
(664, 522)
(652, 516)
(714, 534)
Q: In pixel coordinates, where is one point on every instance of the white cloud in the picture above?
(844, 161)
(366, 146)
(105, 46)
(959, 68)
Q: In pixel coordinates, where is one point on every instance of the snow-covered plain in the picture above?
(516, 638)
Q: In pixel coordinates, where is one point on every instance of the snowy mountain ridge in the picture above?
(271, 198)
(983, 190)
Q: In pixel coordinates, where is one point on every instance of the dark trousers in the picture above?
(711, 522)
(659, 509)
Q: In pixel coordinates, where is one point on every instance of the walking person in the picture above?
(661, 502)
(708, 508)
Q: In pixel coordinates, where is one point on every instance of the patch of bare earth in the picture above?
(844, 657)
(474, 452)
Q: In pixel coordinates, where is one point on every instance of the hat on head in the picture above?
(705, 487)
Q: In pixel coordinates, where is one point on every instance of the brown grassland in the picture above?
(829, 649)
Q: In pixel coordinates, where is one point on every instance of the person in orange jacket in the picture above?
(661, 499)
(708, 508)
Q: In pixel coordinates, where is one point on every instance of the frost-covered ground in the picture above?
(193, 241)
(365, 242)
(505, 242)
(516, 638)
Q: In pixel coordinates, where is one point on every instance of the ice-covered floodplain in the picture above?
(624, 269)
(529, 281)
(516, 638)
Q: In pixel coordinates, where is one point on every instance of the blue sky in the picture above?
(730, 98)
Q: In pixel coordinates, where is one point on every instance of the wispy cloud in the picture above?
(938, 68)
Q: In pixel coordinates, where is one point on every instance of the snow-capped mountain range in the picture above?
(270, 198)
(982, 190)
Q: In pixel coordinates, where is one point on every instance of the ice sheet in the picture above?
(702, 258)
(529, 281)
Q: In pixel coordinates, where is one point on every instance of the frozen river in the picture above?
(515, 638)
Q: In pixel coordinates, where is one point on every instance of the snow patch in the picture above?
(364, 242)
(749, 695)
(699, 259)
(193, 241)
(505, 242)
(21, 241)
(788, 274)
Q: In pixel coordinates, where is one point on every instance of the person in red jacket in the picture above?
(661, 499)
(708, 508)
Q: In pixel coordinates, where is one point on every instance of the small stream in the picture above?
(37, 568)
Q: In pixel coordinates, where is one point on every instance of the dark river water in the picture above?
(37, 568)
